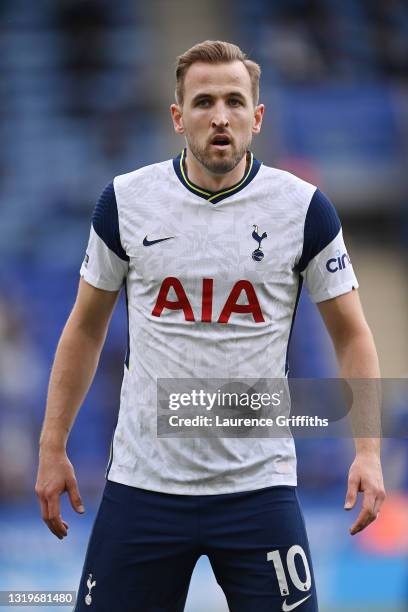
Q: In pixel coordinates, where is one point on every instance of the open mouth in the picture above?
(221, 140)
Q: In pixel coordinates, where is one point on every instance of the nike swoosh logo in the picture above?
(288, 607)
(147, 242)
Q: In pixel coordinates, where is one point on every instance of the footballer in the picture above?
(212, 248)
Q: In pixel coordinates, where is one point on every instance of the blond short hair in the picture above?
(215, 52)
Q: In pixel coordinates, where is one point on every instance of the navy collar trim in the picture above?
(179, 164)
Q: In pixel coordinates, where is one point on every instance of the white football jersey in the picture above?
(212, 283)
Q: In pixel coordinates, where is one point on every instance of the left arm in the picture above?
(357, 358)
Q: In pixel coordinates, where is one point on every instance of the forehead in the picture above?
(216, 78)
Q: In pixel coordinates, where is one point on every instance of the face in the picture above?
(218, 117)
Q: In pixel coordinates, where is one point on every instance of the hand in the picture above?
(365, 475)
(55, 476)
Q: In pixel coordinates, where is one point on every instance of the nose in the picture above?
(220, 117)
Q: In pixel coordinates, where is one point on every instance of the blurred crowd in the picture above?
(322, 40)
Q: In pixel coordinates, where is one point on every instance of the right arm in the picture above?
(75, 364)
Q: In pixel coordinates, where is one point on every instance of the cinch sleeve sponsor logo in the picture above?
(338, 263)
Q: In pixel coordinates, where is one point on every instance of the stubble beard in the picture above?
(220, 165)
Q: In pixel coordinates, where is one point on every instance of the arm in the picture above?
(357, 358)
(74, 367)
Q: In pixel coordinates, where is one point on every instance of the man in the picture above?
(213, 248)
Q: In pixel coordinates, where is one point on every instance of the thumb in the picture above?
(351, 495)
(74, 496)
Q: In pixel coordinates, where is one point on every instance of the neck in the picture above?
(202, 177)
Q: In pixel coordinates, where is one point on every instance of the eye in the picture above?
(204, 103)
(234, 102)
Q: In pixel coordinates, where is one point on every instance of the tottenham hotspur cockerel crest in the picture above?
(258, 255)
(90, 584)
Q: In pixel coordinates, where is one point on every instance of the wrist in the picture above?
(52, 442)
(368, 447)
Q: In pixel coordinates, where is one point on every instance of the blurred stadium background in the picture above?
(84, 96)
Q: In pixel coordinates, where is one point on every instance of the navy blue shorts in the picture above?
(144, 546)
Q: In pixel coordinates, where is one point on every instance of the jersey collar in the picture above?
(179, 164)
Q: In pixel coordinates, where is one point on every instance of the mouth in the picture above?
(221, 141)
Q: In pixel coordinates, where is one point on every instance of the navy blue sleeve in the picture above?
(322, 225)
(105, 221)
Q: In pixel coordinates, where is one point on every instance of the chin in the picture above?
(222, 166)
(222, 162)
(216, 162)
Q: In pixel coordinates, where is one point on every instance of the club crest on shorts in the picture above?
(90, 585)
(258, 255)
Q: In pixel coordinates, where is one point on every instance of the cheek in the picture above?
(195, 124)
(245, 130)
(243, 121)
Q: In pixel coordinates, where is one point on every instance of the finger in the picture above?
(45, 514)
(351, 495)
(44, 508)
(54, 521)
(366, 516)
(379, 500)
(74, 496)
(362, 522)
(57, 527)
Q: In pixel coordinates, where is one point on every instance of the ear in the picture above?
(258, 116)
(177, 117)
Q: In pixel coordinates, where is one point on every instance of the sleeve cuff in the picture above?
(333, 292)
(97, 282)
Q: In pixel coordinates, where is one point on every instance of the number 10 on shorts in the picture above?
(276, 558)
